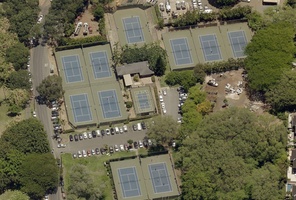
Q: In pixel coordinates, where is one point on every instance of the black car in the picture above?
(103, 132)
(135, 145)
(145, 143)
(143, 125)
(80, 136)
(135, 127)
(54, 113)
(94, 134)
(112, 130)
(97, 151)
(103, 151)
(76, 138)
(71, 138)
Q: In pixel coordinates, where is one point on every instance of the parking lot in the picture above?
(99, 142)
(171, 101)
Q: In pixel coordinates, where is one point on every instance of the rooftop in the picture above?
(141, 68)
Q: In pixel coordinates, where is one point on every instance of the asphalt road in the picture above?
(171, 101)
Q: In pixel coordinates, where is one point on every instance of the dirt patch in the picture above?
(231, 88)
(87, 17)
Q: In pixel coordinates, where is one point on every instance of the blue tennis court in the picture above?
(100, 64)
(133, 29)
(210, 47)
(160, 178)
(80, 108)
(144, 100)
(181, 51)
(129, 182)
(109, 104)
(72, 69)
(238, 43)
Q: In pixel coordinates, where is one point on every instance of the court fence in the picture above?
(129, 6)
(69, 47)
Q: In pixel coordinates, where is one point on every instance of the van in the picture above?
(139, 126)
(116, 130)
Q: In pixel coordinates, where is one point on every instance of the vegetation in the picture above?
(19, 80)
(25, 160)
(238, 12)
(269, 54)
(163, 130)
(153, 53)
(184, 78)
(22, 17)
(282, 95)
(83, 186)
(17, 55)
(226, 3)
(51, 88)
(17, 100)
(14, 195)
(234, 154)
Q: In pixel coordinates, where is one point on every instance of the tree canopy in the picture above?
(14, 195)
(282, 96)
(51, 88)
(234, 154)
(82, 184)
(185, 78)
(163, 130)
(270, 53)
(17, 55)
(19, 79)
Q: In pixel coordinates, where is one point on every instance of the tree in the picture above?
(282, 96)
(225, 3)
(185, 78)
(164, 129)
(14, 195)
(160, 66)
(19, 79)
(269, 54)
(18, 98)
(84, 187)
(27, 136)
(204, 107)
(233, 154)
(98, 12)
(51, 88)
(38, 175)
(17, 55)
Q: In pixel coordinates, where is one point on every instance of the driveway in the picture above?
(171, 102)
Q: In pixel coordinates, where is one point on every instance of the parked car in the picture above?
(89, 135)
(85, 135)
(125, 128)
(145, 143)
(93, 152)
(160, 98)
(76, 138)
(74, 155)
(143, 125)
(98, 132)
(161, 6)
(71, 138)
(97, 151)
(84, 153)
(61, 145)
(116, 148)
(140, 144)
(111, 150)
(112, 130)
(94, 134)
(135, 145)
(150, 142)
(116, 130)
(103, 151)
(107, 131)
(80, 136)
(79, 154)
(164, 91)
(135, 127)
(120, 130)
(183, 5)
(121, 147)
(168, 6)
(103, 132)
(139, 126)
(178, 7)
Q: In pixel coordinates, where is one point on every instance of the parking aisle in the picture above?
(171, 100)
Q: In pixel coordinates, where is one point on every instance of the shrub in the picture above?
(136, 78)
(129, 104)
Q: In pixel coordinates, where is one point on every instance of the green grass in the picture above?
(96, 165)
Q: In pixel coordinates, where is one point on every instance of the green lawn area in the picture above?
(96, 165)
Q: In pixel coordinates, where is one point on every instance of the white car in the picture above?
(140, 144)
(84, 153)
(46, 197)
(61, 145)
(164, 111)
(98, 133)
(168, 6)
(120, 130)
(121, 147)
(34, 114)
(79, 154)
(85, 135)
(178, 7)
(40, 19)
(125, 128)
(164, 92)
(116, 148)
(107, 131)
(161, 6)
(89, 135)
(160, 98)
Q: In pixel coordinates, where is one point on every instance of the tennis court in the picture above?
(129, 182)
(160, 178)
(133, 30)
(100, 64)
(109, 104)
(238, 43)
(210, 47)
(181, 51)
(80, 108)
(72, 69)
